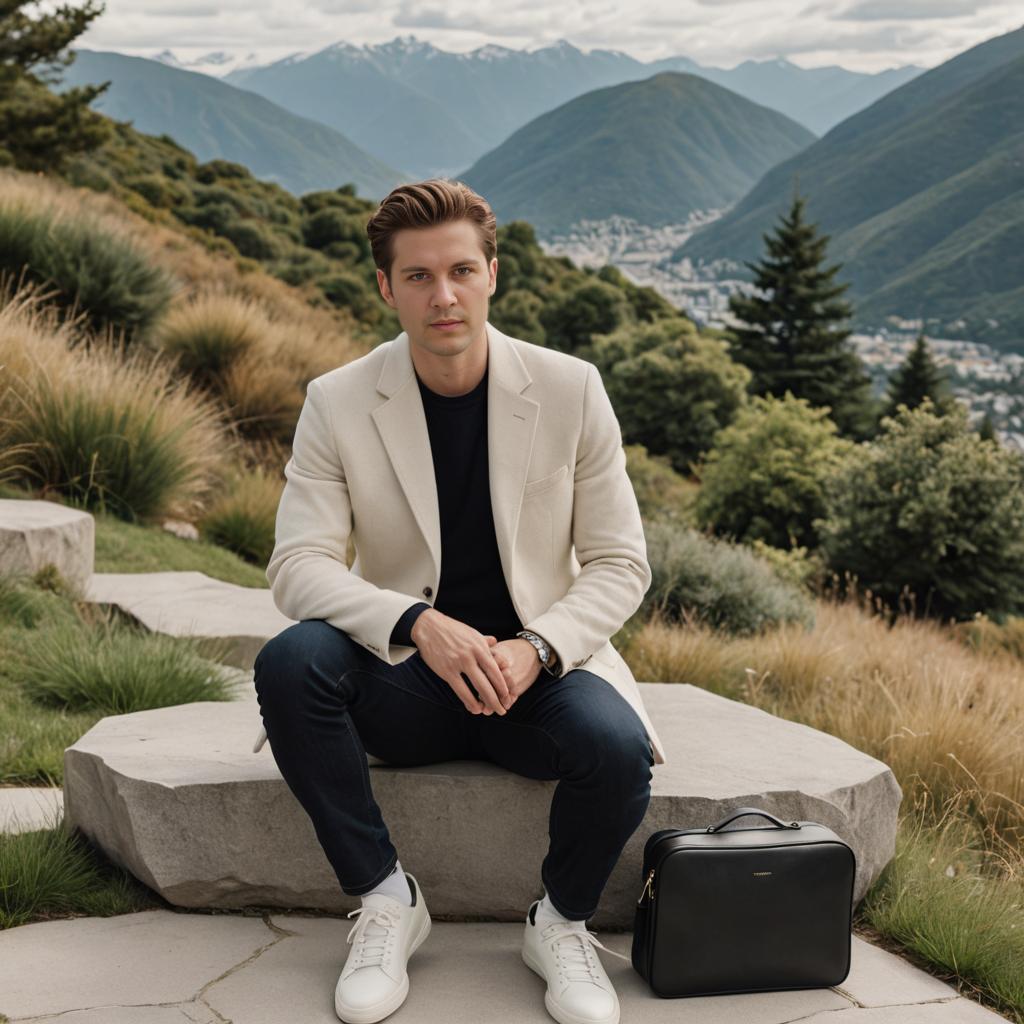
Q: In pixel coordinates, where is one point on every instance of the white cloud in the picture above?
(864, 35)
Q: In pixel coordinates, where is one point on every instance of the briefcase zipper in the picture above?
(648, 887)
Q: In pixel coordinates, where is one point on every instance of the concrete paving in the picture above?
(171, 967)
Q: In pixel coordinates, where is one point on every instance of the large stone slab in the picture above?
(177, 796)
(34, 534)
(194, 604)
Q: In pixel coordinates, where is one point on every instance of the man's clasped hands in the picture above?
(500, 670)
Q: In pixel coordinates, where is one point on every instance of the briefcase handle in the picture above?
(739, 812)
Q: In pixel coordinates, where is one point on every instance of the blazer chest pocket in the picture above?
(544, 483)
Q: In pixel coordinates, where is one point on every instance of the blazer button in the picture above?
(427, 591)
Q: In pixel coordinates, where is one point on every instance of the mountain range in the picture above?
(429, 111)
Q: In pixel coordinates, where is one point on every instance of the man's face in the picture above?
(440, 273)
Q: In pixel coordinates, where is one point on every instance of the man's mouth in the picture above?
(441, 323)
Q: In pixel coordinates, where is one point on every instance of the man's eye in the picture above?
(412, 277)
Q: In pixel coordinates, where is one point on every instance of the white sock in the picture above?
(396, 885)
(547, 909)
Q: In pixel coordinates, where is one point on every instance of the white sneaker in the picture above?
(374, 981)
(579, 991)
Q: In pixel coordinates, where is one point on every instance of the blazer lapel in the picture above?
(511, 429)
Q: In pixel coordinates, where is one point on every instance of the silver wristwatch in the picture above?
(544, 652)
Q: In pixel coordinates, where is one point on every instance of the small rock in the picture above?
(186, 531)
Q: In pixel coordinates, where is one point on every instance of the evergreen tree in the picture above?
(793, 338)
(918, 377)
(40, 129)
(987, 429)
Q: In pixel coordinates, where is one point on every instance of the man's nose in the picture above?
(444, 295)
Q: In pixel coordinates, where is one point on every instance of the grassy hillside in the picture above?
(316, 242)
(219, 121)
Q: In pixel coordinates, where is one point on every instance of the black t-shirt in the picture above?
(472, 587)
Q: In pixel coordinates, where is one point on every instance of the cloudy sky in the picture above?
(862, 35)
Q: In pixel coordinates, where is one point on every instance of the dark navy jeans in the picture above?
(326, 702)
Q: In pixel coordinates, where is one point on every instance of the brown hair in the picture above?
(423, 204)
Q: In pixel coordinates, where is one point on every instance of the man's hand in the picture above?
(520, 664)
(453, 648)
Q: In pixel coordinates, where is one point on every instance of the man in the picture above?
(487, 474)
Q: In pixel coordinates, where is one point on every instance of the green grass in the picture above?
(112, 667)
(64, 665)
(131, 547)
(55, 872)
(953, 911)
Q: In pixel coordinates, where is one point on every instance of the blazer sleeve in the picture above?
(608, 535)
(307, 571)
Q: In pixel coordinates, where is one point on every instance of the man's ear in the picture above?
(384, 288)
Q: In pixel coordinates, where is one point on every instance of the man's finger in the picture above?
(486, 689)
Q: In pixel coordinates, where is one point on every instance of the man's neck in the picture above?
(452, 376)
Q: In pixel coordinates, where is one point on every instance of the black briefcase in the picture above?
(744, 909)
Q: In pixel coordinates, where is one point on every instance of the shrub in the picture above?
(242, 517)
(517, 313)
(676, 392)
(263, 399)
(213, 216)
(253, 239)
(590, 307)
(333, 224)
(802, 568)
(103, 430)
(726, 586)
(764, 479)
(932, 514)
(303, 265)
(209, 172)
(661, 492)
(87, 266)
(159, 190)
(206, 335)
(347, 290)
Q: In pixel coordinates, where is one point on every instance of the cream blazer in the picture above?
(566, 517)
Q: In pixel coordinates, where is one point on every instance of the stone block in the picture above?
(34, 534)
(177, 797)
(218, 614)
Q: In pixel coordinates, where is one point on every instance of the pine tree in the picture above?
(987, 429)
(918, 377)
(40, 129)
(793, 338)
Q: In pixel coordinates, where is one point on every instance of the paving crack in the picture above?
(279, 933)
(174, 1004)
(865, 1006)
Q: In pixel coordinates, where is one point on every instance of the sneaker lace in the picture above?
(579, 958)
(371, 945)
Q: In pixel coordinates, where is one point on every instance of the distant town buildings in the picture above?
(984, 379)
